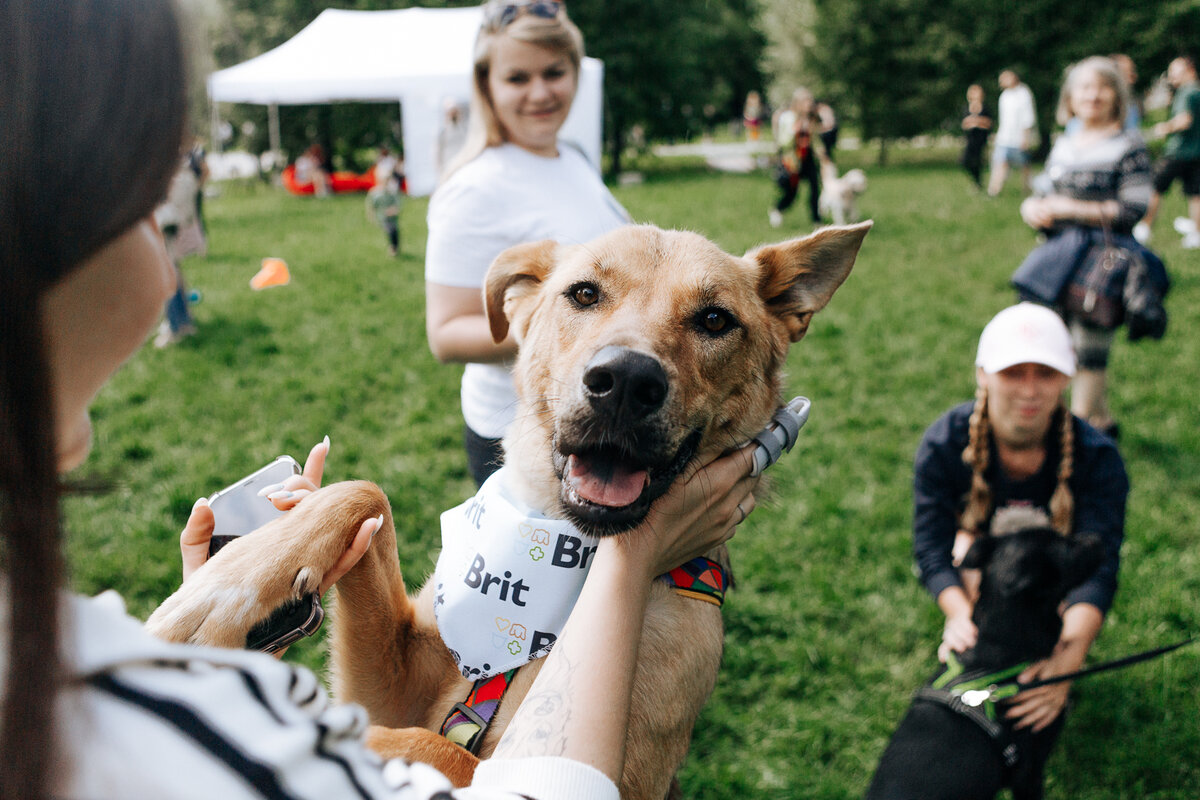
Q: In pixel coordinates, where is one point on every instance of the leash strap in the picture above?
(1127, 661)
(1005, 689)
(468, 721)
(700, 579)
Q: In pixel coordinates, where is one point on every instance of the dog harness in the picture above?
(973, 695)
(465, 725)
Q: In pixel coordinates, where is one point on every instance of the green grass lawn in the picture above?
(828, 630)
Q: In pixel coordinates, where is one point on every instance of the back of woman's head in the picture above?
(543, 23)
(92, 113)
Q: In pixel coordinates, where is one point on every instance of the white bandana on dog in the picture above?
(507, 579)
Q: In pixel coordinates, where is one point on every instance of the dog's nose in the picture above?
(625, 384)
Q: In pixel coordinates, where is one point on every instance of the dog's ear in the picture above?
(980, 553)
(799, 277)
(513, 277)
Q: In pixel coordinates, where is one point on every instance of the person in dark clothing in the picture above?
(1018, 445)
(977, 127)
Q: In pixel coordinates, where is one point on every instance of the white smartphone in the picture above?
(237, 509)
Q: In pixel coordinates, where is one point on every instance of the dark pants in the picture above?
(484, 456)
(972, 161)
(177, 313)
(391, 226)
(791, 187)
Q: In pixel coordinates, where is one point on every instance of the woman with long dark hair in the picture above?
(92, 120)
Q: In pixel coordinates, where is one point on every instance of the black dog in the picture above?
(944, 749)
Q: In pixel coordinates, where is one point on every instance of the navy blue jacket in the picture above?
(941, 481)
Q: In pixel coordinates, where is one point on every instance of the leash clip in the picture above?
(974, 698)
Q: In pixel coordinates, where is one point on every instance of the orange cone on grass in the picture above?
(274, 272)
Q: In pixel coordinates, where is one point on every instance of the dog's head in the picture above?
(856, 181)
(1026, 574)
(645, 348)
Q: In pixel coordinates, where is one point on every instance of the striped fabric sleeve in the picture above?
(257, 728)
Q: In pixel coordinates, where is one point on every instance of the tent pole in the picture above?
(273, 127)
(215, 127)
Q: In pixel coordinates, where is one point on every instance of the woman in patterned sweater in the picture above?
(1097, 176)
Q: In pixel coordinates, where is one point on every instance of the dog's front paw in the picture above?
(211, 612)
(255, 574)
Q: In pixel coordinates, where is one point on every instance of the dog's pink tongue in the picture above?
(614, 485)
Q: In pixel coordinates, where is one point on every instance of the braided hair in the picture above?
(977, 455)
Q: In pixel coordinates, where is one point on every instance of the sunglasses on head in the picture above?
(500, 15)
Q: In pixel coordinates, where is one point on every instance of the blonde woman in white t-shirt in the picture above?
(514, 181)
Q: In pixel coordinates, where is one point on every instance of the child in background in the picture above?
(383, 206)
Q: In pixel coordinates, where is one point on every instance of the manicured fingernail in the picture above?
(267, 490)
(325, 442)
(203, 501)
(280, 495)
(378, 526)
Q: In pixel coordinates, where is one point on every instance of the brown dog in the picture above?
(639, 352)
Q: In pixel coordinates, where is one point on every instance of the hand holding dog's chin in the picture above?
(701, 510)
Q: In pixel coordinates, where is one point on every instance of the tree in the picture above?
(667, 64)
(900, 67)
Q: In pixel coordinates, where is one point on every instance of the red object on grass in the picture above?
(338, 181)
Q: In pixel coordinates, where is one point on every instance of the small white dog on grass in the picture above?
(839, 195)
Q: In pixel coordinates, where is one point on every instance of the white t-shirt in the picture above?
(508, 196)
(141, 718)
(1015, 116)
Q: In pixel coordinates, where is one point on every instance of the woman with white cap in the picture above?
(1016, 445)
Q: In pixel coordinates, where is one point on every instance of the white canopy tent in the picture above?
(417, 56)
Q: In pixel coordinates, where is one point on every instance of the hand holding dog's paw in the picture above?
(304, 551)
(196, 536)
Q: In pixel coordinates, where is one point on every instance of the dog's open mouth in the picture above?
(608, 489)
(605, 479)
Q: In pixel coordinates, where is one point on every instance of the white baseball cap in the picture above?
(1026, 334)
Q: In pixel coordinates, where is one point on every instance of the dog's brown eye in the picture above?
(584, 294)
(715, 321)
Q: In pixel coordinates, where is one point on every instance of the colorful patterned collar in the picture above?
(700, 579)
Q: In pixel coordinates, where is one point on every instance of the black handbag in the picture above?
(1096, 291)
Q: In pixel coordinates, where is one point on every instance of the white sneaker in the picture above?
(1141, 232)
(1192, 241)
(1184, 226)
(774, 217)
